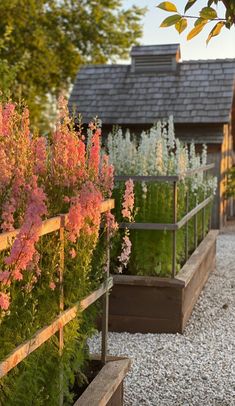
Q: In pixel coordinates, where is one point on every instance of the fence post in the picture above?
(174, 231)
(186, 234)
(105, 302)
(61, 304)
(204, 219)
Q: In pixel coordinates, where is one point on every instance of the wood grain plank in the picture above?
(104, 386)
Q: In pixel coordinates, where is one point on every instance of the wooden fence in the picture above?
(41, 336)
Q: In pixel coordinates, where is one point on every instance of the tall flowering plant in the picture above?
(128, 215)
(157, 152)
(41, 178)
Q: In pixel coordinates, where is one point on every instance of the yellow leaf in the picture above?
(181, 25)
(215, 31)
(167, 6)
(199, 20)
(172, 20)
(195, 31)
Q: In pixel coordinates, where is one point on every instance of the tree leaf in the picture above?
(195, 31)
(208, 12)
(181, 25)
(167, 6)
(200, 20)
(189, 4)
(215, 30)
(172, 20)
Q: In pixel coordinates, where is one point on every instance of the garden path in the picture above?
(198, 367)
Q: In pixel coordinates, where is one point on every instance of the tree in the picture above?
(207, 14)
(47, 40)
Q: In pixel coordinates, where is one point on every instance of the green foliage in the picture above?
(45, 42)
(151, 251)
(35, 381)
(207, 14)
(230, 192)
(172, 20)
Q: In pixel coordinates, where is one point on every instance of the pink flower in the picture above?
(5, 277)
(106, 176)
(25, 122)
(7, 118)
(73, 253)
(52, 285)
(126, 251)
(23, 248)
(111, 222)
(75, 219)
(40, 155)
(84, 212)
(128, 201)
(94, 156)
(4, 301)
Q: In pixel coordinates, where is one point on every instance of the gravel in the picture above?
(196, 368)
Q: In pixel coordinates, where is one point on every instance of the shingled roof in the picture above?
(197, 91)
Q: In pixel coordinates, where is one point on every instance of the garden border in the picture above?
(177, 224)
(140, 304)
(107, 387)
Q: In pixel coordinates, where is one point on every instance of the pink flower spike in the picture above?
(126, 251)
(4, 301)
(5, 277)
(129, 200)
(52, 285)
(73, 253)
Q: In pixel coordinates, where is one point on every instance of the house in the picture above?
(199, 94)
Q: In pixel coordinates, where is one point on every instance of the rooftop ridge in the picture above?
(187, 61)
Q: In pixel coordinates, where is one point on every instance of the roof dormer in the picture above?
(155, 58)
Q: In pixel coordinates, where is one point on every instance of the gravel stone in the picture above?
(193, 369)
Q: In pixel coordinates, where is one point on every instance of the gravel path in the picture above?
(197, 368)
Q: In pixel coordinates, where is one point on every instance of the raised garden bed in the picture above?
(148, 304)
(107, 386)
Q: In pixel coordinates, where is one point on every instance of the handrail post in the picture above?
(174, 231)
(61, 305)
(105, 301)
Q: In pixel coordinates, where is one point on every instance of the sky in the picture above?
(222, 46)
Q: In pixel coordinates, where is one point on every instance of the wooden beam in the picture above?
(44, 334)
(48, 226)
(103, 387)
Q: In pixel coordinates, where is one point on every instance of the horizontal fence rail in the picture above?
(168, 226)
(21, 352)
(41, 336)
(165, 178)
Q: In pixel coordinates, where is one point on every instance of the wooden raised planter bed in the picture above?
(161, 305)
(107, 387)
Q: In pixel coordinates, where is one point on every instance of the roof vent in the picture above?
(155, 58)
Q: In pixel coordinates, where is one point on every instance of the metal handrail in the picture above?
(165, 178)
